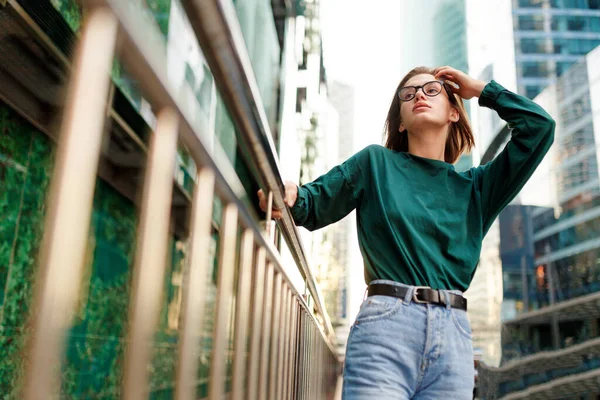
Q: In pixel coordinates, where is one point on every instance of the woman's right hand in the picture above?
(467, 87)
(291, 194)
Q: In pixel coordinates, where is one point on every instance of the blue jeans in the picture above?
(399, 349)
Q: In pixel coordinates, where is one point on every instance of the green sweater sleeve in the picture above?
(532, 134)
(333, 195)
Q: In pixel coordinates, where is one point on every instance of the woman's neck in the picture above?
(428, 144)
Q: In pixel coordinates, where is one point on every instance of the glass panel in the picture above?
(535, 69)
(564, 23)
(260, 34)
(531, 22)
(531, 46)
(531, 3)
(576, 23)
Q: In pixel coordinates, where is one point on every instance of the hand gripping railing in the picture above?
(220, 37)
(289, 354)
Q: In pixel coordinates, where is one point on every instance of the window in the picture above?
(574, 4)
(534, 69)
(576, 24)
(568, 4)
(559, 46)
(531, 23)
(532, 46)
(531, 3)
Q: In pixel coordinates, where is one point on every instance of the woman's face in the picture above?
(422, 111)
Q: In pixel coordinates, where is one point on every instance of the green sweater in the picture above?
(419, 221)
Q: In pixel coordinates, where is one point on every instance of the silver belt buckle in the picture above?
(416, 292)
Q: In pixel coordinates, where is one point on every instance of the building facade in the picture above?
(450, 48)
(551, 36)
(551, 255)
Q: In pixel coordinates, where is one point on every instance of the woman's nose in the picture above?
(420, 95)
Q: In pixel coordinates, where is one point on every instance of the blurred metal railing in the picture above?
(220, 37)
(281, 350)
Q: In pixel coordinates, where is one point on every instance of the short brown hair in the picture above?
(460, 137)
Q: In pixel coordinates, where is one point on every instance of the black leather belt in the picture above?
(421, 294)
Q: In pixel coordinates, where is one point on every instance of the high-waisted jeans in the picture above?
(399, 349)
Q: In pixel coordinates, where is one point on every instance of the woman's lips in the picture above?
(420, 107)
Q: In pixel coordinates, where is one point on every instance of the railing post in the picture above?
(287, 359)
(195, 286)
(266, 333)
(283, 326)
(275, 336)
(228, 239)
(70, 204)
(294, 351)
(258, 294)
(151, 254)
(241, 315)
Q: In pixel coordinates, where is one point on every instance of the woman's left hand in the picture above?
(464, 86)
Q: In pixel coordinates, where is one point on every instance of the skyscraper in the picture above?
(450, 48)
(550, 344)
(442, 31)
(551, 36)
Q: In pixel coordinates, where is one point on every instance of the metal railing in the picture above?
(281, 349)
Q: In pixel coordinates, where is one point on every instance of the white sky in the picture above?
(362, 48)
(372, 45)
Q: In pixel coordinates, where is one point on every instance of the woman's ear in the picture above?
(454, 115)
(401, 128)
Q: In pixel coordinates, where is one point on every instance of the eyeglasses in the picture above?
(430, 89)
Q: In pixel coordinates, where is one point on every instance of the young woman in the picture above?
(420, 228)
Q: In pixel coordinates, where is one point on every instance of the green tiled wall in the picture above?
(95, 343)
(93, 360)
(70, 12)
(24, 168)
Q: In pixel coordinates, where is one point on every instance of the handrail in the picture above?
(220, 36)
(112, 22)
(144, 59)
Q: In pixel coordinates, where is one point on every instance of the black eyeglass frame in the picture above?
(450, 95)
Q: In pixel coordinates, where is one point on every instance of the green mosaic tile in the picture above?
(95, 346)
(93, 359)
(27, 158)
(70, 12)
(11, 183)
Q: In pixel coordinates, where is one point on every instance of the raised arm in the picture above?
(532, 134)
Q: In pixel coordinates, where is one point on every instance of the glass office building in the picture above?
(450, 47)
(551, 256)
(551, 36)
